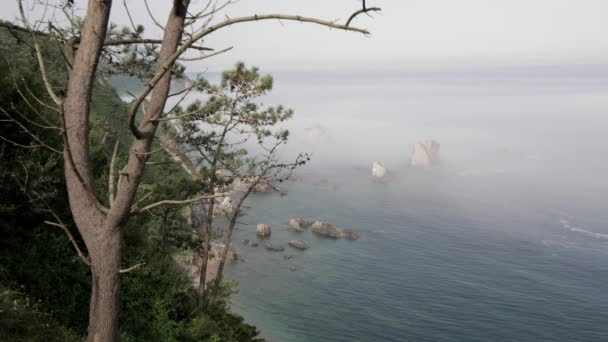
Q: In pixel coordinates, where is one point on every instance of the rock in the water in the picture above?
(378, 170)
(296, 229)
(262, 230)
(350, 234)
(299, 244)
(274, 248)
(425, 153)
(245, 242)
(325, 229)
(297, 225)
(292, 268)
(255, 244)
(287, 257)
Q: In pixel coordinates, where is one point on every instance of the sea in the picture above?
(505, 239)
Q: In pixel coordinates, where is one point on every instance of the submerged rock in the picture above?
(287, 257)
(274, 248)
(262, 230)
(378, 170)
(255, 244)
(299, 244)
(425, 153)
(292, 268)
(350, 234)
(245, 242)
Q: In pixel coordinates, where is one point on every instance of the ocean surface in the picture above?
(505, 240)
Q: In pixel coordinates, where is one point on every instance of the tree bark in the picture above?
(104, 306)
(101, 229)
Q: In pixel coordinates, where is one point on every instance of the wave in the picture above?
(566, 224)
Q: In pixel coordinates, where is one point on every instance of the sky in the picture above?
(407, 34)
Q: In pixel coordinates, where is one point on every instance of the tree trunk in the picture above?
(105, 273)
(206, 250)
(220, 267)
(100, 229)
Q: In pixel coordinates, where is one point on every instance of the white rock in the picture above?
(425, 153)
(378, 170)
(262, 230)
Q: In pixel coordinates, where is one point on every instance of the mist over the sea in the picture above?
(506, 239)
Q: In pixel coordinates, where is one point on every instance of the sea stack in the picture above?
(262, 230)
(425, 154)
(378, 170)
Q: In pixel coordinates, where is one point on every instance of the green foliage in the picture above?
(21, 319)
(44, 286)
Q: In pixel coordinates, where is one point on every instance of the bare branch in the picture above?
(112, 175)
(132, 268)
(72, 240)
(363, 10)
(180, 202)
(185, 59)
(39, 56)
(159, 75)
(152, 16)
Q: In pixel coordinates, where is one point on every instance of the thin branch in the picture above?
(39, 56)
(184, 59)
(59, 222)
(72, 240)
(180, 202)
(363, 10)
(132, 268)
(152, 16)
(135, 106)
(112, 175)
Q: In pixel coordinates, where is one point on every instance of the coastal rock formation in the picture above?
(223, 208)
(378, 170)
(298, 225)
(274, 248)
(325, 229)
(425, 154)
(299, 244)
(262, 230)
(243, 184)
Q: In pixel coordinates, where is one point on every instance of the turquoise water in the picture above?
(506, 240)
(439, 260)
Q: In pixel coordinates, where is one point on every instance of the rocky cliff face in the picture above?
(425, 153)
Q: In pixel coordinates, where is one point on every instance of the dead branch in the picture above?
(363, 10)
(132, 268)
(180, 202)
(39, 56)
(112, 175)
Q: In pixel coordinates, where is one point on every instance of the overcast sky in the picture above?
(408, 34)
